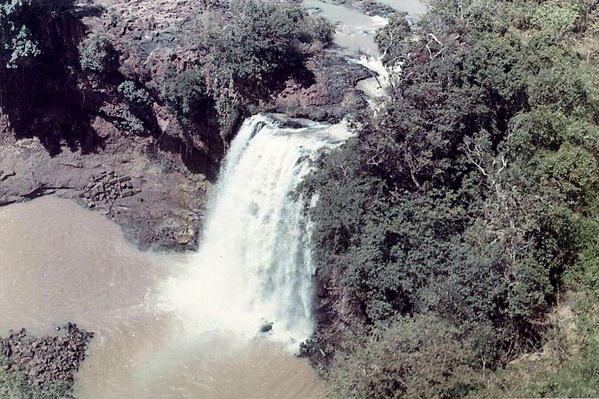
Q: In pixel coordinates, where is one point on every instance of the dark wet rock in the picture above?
(284, 122)
(301, 159)
(372, 8)
(292, 124)
(266, 327)
(368, 7)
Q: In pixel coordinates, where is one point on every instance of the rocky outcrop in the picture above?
(368, 7)
(332, 96)
(153, 183)
(151, 194)
(47, 363)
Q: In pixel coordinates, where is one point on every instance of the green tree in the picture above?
(250, 50)
(19, 20)
(422, 357)
(472, 196)
(16, 41)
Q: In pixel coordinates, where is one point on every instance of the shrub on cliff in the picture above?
(96, 54)
(37, 47)
(136, 96)
(250, 49)
(185, 93)
(19, 23)
(16, 40)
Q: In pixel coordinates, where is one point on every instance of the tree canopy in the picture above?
(470, 199)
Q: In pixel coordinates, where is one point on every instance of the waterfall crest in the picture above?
(254, 265)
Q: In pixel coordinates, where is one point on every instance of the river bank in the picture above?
(156, 187)
(61, 262)
(162, 203)
(46, 364)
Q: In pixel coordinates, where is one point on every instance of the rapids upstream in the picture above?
(354, 36)
(175, 326)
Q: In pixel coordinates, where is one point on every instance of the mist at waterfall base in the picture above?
(254, 268)
(173, 325)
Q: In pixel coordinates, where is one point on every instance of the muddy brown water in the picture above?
(60, 262)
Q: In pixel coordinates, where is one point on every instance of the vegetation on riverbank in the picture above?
(206, 71)
(464, 217)
(456, 235)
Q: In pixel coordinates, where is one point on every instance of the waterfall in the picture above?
(254, 265)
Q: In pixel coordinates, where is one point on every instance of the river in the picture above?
(63, 263)
(180, 326)
(354, 37)
(186, 326)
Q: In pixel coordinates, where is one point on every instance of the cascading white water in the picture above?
(254, 264)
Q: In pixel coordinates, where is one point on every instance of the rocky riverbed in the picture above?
(46, 364)
(159, 203)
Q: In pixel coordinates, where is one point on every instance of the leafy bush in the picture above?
(411, 358)
(135, 96)
(556, 17)
(97, 54)
(16, 40)
(250, 49)
(469, 197)
(185, 93)
(19, 22)
(131, 125)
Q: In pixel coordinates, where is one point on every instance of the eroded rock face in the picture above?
(332, 96)
(171, 169)
(156, 199)
(46, 362)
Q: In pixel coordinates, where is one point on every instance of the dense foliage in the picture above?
(39, 92)
(247, 49)
(97, 54)
(209, 69)
(469, 201)
(18, 19)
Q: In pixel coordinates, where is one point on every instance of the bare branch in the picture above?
(435, 39)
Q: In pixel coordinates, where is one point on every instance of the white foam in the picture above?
(254, 264)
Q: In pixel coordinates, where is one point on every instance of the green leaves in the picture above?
(556, 17)
(185, 93)
(135, 96)
(16, 41)
(97, 54)
(422, 357)
(252, 48)
(472, 197)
